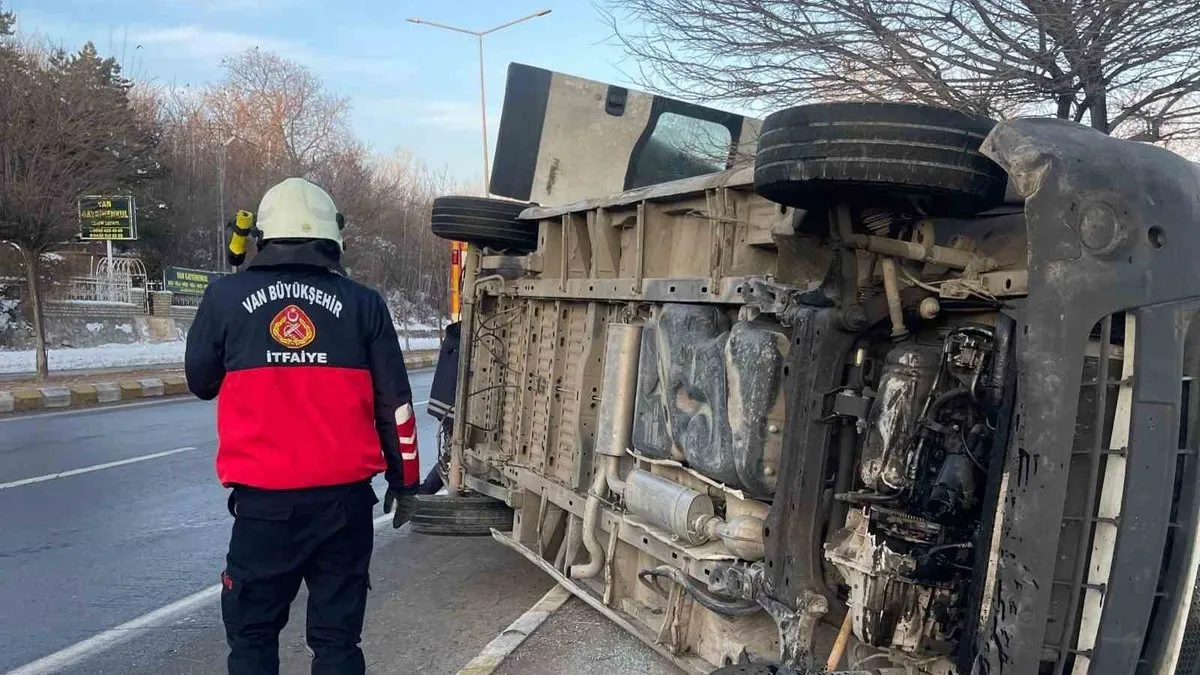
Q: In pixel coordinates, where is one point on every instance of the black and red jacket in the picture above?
(309, 374)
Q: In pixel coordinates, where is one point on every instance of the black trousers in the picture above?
(322, 536)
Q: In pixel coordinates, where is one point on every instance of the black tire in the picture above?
(454, 516)
(1189, 651)
(486, 223)
(816, 155)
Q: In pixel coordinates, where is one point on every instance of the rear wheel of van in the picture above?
(486, 223)
(922, 157)
(460, 516)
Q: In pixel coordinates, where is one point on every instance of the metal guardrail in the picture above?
(182, 300)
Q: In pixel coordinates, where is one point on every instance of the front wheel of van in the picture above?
(486, 223)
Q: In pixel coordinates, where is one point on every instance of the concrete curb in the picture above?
(107, 392)
(55, 397)
(28, 399)
(84, 394)
(507, 642)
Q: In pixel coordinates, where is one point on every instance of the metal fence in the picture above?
(91, 289)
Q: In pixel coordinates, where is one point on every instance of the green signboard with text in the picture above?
(107, 218)
(187, 281)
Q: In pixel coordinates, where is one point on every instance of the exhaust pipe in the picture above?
(615, 425)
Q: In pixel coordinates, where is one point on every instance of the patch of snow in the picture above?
(105, 356)
(416, 326)
(125, 328)
(8, 314)
(127, 356)
(53, 257)
(420, 344)
(420, 325)
(95, 327)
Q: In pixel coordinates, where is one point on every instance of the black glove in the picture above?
(404, 501)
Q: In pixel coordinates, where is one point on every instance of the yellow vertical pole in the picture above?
(458, 252)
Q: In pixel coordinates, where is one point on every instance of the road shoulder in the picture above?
(436, 602)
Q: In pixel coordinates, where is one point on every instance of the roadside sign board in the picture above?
(187, 281)
(107, 218)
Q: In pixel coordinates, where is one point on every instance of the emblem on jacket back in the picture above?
(292, 328)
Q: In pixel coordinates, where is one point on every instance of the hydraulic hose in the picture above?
(940, 402)
(1001, 361)
(728, 607)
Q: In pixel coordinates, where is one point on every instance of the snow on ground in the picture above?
(105, 356)
(130, 356)
(421, 325)
(414, 327)
(420, 344)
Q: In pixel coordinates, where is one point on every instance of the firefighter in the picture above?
(312, 401)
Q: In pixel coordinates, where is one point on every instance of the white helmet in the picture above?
(297, 209)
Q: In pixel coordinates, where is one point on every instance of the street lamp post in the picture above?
(221, 199)
(479, 35)
(458, 250)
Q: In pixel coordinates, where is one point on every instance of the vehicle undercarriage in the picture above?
(785, 422)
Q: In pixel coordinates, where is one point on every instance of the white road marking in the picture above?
(507, 642)
(114, 637)
(96, 644)
(95, 467)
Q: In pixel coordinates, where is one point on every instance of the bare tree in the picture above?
(281, 110)
(267, 119)
(386, 200)
(394, 249)
(1130, 67)
(65, 130)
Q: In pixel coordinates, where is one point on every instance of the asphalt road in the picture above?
(84, 553)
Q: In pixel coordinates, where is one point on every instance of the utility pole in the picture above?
(479, 35)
